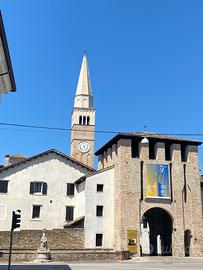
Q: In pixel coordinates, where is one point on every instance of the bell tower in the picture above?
(83, 119)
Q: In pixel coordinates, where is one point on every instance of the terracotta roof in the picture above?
(46, 153)
(140, 135)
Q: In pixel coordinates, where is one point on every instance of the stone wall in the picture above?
(57, 239)
(25, 243)
(64, 245)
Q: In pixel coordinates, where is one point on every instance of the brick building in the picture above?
(145, 197)
(156, 186)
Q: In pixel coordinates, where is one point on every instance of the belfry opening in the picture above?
(156, 233)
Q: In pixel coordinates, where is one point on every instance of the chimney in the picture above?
(13, 159)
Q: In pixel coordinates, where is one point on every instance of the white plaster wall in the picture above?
(80, 200)
(105, 224)
(57, 172)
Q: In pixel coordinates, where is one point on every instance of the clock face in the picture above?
(84, 147)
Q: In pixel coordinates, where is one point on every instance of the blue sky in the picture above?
(145, 59)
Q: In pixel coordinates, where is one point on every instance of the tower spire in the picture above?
(83, 119)
(84, 86)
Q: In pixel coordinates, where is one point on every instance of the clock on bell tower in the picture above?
(83, 119)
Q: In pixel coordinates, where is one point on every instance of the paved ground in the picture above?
(129, 265)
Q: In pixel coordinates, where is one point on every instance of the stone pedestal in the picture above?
(43, 256)
(43, 253)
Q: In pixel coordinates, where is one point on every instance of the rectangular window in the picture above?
(151, 150)
(135, 149)
(100, 188)
(69, 213)
(99, 238)
(36, 211)
(70, 189)
(183, 153)
(167, 151)
(99, 211)
(38, 188)
(3, 186)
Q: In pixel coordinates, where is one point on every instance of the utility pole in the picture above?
(16, 219)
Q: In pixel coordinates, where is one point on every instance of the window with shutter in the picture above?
(70, 189)
(38, 188)
(3, 186)
(69, 213)
(44, 189)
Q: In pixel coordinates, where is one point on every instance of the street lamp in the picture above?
(7, 80)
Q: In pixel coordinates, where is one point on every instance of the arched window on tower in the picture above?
(84, 120)
(80, 120)
(88, 120)
(78, 102)
(84, 103)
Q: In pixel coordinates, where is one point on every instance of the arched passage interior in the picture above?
(158, 224)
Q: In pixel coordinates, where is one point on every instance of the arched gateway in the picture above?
(156, 232)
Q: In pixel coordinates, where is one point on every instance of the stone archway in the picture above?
(158, 223)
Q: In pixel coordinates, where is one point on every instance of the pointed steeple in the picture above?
(84, 97)
(83, 119)
(84, 86)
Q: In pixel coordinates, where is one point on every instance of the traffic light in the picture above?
(16, 219)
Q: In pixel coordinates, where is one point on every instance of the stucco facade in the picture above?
(99, 224)
(56, 171)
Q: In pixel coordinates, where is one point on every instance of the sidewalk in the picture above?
(162, 259)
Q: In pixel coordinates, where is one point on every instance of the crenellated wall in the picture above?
(129, 207)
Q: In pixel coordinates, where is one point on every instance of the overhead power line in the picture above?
(54, 128)
(96, 131)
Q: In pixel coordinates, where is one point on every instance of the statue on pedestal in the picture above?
(43, 252)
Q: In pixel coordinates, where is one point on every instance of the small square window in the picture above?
(70, 189)
(99, 211)
(99, 238)
(100, 187)
(3, 186)
(36, 211)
